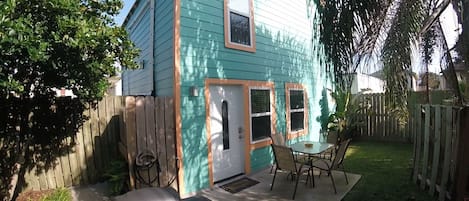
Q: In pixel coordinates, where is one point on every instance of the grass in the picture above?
(385, 169)
(61, 194)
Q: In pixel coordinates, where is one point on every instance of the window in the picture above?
(239, 27)
(226, 132)
(260, 114)
(296, 110)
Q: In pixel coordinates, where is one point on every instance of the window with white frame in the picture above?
(297, 110)
(239, 31)
(261, 114)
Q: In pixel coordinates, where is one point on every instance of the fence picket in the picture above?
(98, 157)
(80, 174)
(170, 141)
(65, 166)
(436, 151)
(418, 142)
(447, 157)
(162, 140)
(131, 142)
(150, 132)
(426, 142)
(89, 152)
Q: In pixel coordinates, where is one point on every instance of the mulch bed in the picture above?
(33, 195)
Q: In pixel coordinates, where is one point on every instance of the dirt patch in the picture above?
(33, 195)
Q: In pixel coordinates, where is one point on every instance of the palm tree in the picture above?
(385, 32)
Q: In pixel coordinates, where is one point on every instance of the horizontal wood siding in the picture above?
(164, 25)
(287, 51)
(139, 81)
(259, 159)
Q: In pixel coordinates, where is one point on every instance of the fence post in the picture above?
(130, 130)
(462, 166)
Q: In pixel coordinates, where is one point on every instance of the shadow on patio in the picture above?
(283, 188)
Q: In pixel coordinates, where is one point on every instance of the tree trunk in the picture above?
(14, 181)
(22, 150)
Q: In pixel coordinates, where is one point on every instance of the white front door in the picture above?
(227, 132)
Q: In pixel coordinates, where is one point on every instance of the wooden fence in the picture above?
(437, 133)
(95, 147)
(376, 122)
(118, 124)
(150, 128)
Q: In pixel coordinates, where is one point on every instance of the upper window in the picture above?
(239, 25)
(296, 110)
(261, 114)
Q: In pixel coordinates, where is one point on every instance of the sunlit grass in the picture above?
(385, 169)
(61, 194)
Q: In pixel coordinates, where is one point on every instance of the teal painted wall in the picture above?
(160, 62)
(164, 57)
(288, 51)
(139, 81)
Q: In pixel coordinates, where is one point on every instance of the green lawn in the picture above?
(385, 170)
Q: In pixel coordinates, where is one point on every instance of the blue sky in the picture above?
(121, 17)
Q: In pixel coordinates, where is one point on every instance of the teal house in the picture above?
(238, 70)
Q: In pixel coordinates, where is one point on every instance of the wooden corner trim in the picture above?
(177, 94)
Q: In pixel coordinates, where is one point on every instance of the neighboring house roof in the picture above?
(130, 12)
(378, 74)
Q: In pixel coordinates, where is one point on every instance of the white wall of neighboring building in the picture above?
(367, 84)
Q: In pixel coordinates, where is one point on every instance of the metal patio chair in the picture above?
(335, 164)
(286, 161)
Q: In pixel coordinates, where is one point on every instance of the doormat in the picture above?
(239, 185)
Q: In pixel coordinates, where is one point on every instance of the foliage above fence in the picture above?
(377, 122)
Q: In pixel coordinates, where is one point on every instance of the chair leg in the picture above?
(345, 174)
(275, 174)
(296, 185)
(332, 179)
(272, 168)
(312, 176)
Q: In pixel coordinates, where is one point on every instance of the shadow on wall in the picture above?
(279, 57)
(61, 151)
(323, 119)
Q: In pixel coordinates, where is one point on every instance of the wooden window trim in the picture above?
(252, 32)
(295, 134)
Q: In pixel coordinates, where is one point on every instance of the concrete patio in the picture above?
(283, 188)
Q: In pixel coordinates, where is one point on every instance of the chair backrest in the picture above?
(339, 157)
(278, 139)
(333, 137)
(284, 157)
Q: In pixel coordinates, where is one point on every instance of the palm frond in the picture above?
(396, 53)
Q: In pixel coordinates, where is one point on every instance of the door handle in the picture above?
(240, 132)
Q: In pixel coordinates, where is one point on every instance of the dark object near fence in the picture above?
(144, 162)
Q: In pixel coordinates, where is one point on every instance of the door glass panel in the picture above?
(226, 134)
